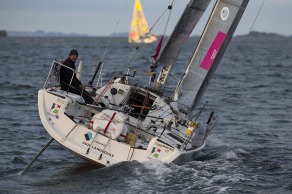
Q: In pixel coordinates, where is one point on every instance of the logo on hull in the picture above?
(88, 136)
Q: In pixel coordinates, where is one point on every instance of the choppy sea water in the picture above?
(250, 151)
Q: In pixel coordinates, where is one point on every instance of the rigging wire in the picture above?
(115, 28)
(125, 62)
(170, 11)
(247, 37)
(161, 18)
(130, 56)
(112, 34)
(108, 85)
(147, 97)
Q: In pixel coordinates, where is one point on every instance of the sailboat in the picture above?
(139, 30)
(130, 122)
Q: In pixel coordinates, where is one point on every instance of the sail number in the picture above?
(214, 54)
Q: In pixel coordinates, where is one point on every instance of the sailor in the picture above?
(66, 75)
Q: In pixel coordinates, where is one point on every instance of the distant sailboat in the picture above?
(139, 30)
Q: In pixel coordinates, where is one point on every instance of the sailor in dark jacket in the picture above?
(66, 75)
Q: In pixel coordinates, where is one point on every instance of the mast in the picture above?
(184, 27)
(209, 52)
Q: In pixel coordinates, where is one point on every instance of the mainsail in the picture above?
(139, 27)
(211, 47)
(184, 27)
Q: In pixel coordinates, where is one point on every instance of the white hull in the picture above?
(56, 108)
(128, 122)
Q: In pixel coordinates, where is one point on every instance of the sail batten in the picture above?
(209, 52)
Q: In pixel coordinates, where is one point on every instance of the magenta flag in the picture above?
(158, 49)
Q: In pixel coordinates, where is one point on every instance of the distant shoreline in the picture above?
(40, 33)
(3, 33)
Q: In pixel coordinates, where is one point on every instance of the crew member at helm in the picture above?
(66, 74)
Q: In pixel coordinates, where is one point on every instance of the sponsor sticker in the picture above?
(155, 152)
(55, 108)
(213, 50)
(88, 136)
(224, 13)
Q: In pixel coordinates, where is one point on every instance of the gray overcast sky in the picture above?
(99, 17)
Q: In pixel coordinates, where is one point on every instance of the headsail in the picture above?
(184, 27)
(216, 36)
(139, 26)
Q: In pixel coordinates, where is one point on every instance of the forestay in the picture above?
(211, 47)
(184, 27)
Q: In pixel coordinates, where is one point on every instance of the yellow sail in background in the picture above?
(139, 27)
